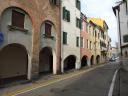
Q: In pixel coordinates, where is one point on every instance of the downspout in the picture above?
(60, 37)
(61, 30)
(120, 32)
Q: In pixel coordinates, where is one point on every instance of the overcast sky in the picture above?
(102, 9)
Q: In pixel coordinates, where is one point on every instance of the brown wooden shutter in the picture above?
(18, 19)
(48, 28)
(58, 2)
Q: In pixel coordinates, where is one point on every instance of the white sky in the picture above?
(102, 9)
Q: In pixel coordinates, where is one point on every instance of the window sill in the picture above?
(12, 28)
(66, 20)
(50, 37)
(65, 44)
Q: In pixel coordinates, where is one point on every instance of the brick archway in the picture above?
(46, 61)
(14, 62)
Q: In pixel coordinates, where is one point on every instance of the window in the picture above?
(55, 2)
(87, 43)
(90, 45)
(98, 35)
(81, 42)
(77, 41)
(89, 29)
(126, 8)
(48, 28)
(95, 33)
(18, 19)
(66, 14)
(64, 38)
(125, 38)
(78, 5)
(78, 23)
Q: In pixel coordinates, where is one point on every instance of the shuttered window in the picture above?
(66, 14)
(64, 38)
(125, 38)
(90, 45)
(81, 42)
(87, 43)
(78, 23)
(77, 41)
(55, 2)
(78, 5)
(48, 28)
(18, 19)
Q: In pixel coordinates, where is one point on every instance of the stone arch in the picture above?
(13, 34)
(69, 62)
(84, 61)
(14, 62)
(53, 27)
(20, 8)
(46, 60)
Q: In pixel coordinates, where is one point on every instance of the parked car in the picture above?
(112, 59)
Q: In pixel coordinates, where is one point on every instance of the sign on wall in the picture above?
(1, 38)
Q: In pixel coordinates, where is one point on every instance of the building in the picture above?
(90, 51)
(109, 55)
(70, 29)
(29, 38)
(103, 27)
(121, 12)
(114, 52)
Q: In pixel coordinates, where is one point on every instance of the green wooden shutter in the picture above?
(68, 16)
(64, 12)
(80, 25)
(77, 41)
(76, 22)
(64, 38)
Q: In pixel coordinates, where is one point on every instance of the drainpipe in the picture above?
(60, 37)
(61, 30)
(120, 32)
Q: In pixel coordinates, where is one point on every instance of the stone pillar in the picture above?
(88, 62)
(35, 51)
(78, 65)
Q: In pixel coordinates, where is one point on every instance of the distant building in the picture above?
(114, 52)
(109, 48)
(103, 35)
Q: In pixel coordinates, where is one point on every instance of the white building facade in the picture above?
(121, 12)
(70, 29)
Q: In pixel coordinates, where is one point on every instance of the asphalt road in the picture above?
(93, 83)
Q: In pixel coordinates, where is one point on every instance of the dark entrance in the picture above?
(126, 53)
(46, 61)
(98, 59)
(13, 63)
(69, 62)
(84, 61)
(92, 60)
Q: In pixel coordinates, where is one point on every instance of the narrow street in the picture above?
(94, 83)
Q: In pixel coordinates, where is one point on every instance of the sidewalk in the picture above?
(121, 84)
(44, 81)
